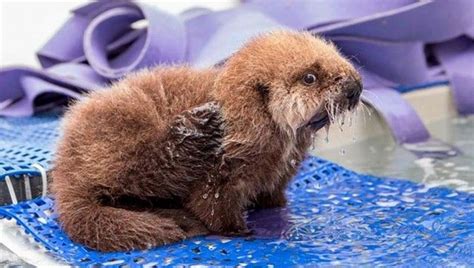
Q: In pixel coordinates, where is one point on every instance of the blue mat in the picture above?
(334, 217)
(25, 141)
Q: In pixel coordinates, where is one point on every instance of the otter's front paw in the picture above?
(273, 200)
(231, 225)
(219, 211)
(240, 232)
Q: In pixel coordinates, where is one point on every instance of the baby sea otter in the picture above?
(171, 153)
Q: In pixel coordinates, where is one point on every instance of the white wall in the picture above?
(25, 25)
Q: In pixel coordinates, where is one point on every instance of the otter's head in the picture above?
(302, 81)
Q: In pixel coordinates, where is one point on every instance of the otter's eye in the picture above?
(309, 79)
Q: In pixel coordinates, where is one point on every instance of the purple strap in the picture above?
(94, 32)
(398, 114)
(407, 128)
(457, 57)
(66, 79)
(309, 14)
(232, 35)
(163, 41)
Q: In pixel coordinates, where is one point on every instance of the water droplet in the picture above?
(313, 141)
(216, 195)
(342, 151)
(167, 261)
(211, 247)
(293, 162)
(212, 212)
(327, 133)
(42, 220)
(205, 196)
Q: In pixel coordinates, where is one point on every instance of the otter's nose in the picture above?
(352, 88)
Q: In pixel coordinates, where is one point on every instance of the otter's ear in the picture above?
(263, 90)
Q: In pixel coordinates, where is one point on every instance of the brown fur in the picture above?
(171, 153)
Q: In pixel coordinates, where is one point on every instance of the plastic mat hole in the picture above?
(40, 202)
(139, 260)
(49, 236)
(25, 206)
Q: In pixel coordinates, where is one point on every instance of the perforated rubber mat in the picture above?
(334, 217)
(25, 141)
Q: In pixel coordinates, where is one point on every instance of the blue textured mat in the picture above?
(334, 217)
(25, 141)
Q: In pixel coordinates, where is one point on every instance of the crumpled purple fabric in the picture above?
(398, 44)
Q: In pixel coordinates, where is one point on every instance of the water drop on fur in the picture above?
(216, 195)
(327, 133)
(293, 162)
(350, 119)
(205, 196)
(313, 141)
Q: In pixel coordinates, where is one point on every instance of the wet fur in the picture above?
(171, 153)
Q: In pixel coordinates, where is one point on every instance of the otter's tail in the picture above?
(107, 228)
